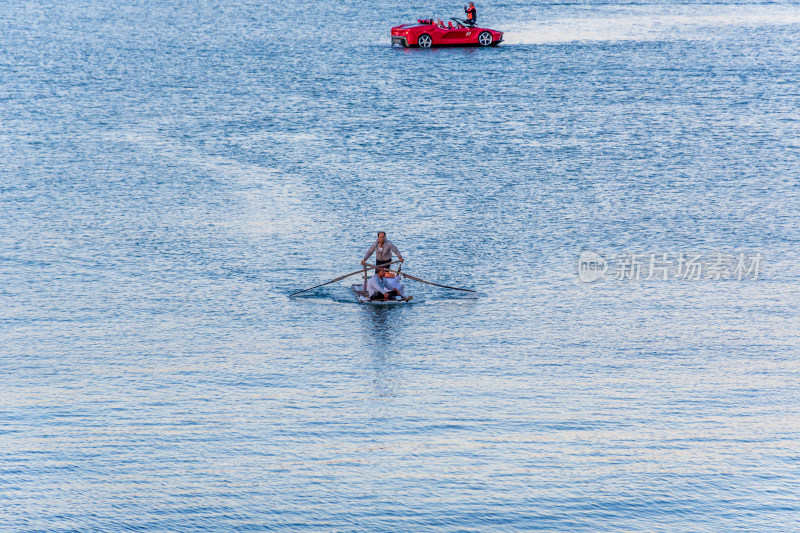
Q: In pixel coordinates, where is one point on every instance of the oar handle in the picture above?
(384, 265)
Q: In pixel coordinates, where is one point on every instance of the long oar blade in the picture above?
(340, 278)
(409, 276)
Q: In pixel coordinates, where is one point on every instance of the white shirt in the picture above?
(375, 284)
(383, 254)
(395, 284)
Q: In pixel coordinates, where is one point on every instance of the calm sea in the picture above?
(171, 171)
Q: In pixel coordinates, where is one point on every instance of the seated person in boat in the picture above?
(392, 281)
(382, 249)
(379, 287)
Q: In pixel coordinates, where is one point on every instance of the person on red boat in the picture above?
(383, 251)
(472, 14)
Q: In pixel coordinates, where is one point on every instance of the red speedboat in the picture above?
(456, 32)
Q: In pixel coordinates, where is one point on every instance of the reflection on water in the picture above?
(382, 328)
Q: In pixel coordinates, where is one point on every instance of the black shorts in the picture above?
(379, 296)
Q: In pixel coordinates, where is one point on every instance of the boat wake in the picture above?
(685, 23)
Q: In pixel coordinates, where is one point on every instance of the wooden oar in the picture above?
(340, 278)
(409, 276)
(384, 265)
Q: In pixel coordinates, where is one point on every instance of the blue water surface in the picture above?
(171, 171)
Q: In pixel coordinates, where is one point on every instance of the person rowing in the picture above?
(382, 248)
(379, 287)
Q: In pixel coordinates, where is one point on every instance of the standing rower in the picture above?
(382, 249)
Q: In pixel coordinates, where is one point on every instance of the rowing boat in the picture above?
(359, 290)
(362, 296)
